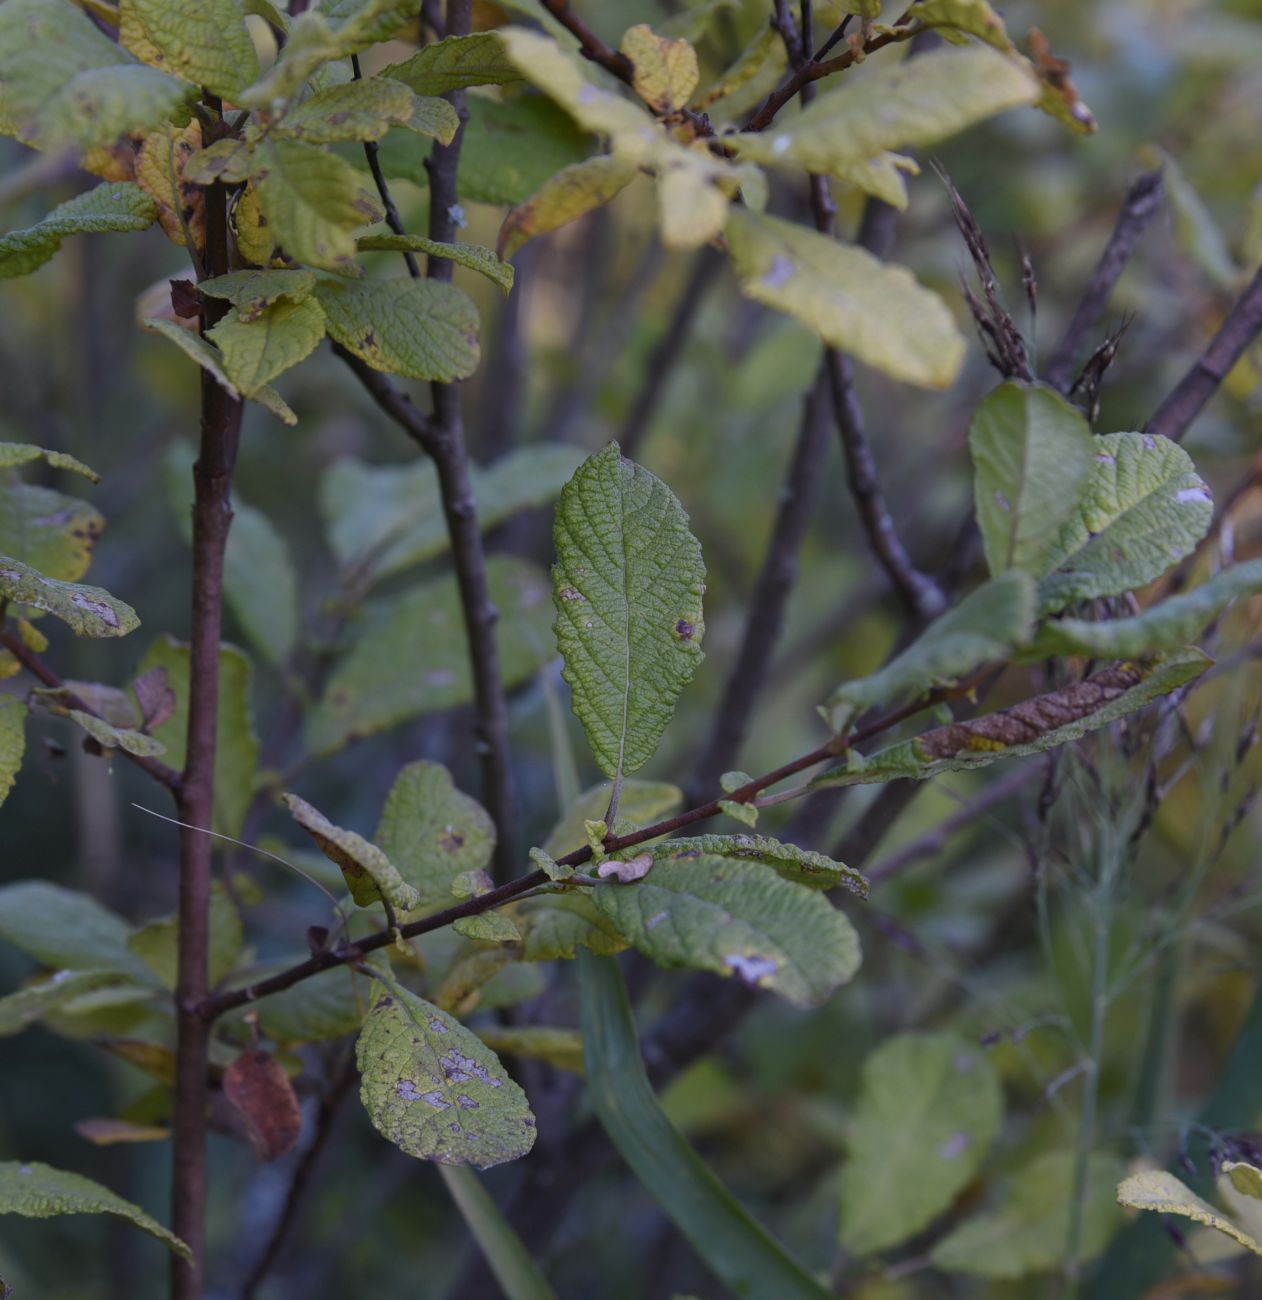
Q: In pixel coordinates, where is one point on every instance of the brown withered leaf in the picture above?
(1060, 95)
(160, 163)
(154, 694)
(258, 1089)
(1024, 723)
(186, 301)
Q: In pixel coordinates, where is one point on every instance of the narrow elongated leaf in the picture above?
(563, 198)
(898, 106)
(433, 832)
(422, 329)
(47, 530)
(355, 110)
(787, 860)
(852, 300)
(475, 256)
(21, 453)
(436, 1090)
(455, 64)
(1031, 454)
(1032, 727)
(252, 292)
(734, 1246)
(313, 202)
(111, 737)
(1028, 1232)
(195, 348)
(203, 41)
(114, 206)
(1164, 626)
(256, 351)
(62, 929)
(369, 874)
(382, 681)
(505, 1253)
(1141, 509)
(736, 918)
(1163, 1193)
(987, 625)
(929, 1107)
(382, 519)
(12, 742)
(29, 1004)
(237, 750)
(88, 610)
(627, 588)
(38, 1191)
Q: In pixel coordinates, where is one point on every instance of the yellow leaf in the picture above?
(1162, 1192)
(563, 198)
(665, 70)
(160, 166)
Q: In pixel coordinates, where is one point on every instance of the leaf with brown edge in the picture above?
(563, 198)
(258, 1089)
(160, 164)
(666, 71)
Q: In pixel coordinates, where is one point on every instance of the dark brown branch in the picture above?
(771, 590)
(326, 1114)
(373, 155)
(1143, 200)
(29, 660)
(591, 46)
(1174, 416)
(212, 518)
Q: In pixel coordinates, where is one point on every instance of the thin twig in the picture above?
(590, 45)
(29, 660)
(212, 518)
(1174, 416)
(1143, 200)
(393, 220)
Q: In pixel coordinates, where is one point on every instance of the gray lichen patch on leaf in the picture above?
(435, 1090)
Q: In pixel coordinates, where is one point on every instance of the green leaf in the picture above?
(255, 352)
(572, 192)
(52, 533)
(203, 41)
(30, 1003)
(382, 519)
(665, 70)
(787, 860)
(252, 292)
(225, 160)
(1028, 1231)
(510, 148)
(736, 918)
(356, 110)
(505, 1253)
(898, 106)
(929, 1107)
(974, 17)
(111, 737)
(411, 655)
(114, 206)
(368, 872)
(641, 804)
(562, 1048)
(735, 1247)
(62, 929)
(326, 1006)
(237, 751)
(627, 588)
(455, 64)
(476, 257)
(12, 744)
(313, 202)
(491, 927)
(360, 23)
(22, 453)
(1244, 1177)
(421, 329)
(1198, 233)
(157, 942)
(1141, 509)
(433, 832)
(435, 1090)
(852, 300)
(1032, 727)
(195, 347)
(38, 1191)
(986, 626)
(557, 927)
(1031, 454)
(88, 610)
(1165, 626)
(66, 83)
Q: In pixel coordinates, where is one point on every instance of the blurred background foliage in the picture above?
(951, 939)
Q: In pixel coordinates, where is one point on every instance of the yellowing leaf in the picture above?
(252, 292)
(160, 164)
(20, 453)
(356, 110)
(853, 301)
(665, 70)
(225, 160)
(12, 741)
(256, 351)
(692, 208)
(974, 17)
(255, 238)
(1163, 1193)
(456, 63)
(88, 610)
(49, 531)
(203, 41)
(563, 198)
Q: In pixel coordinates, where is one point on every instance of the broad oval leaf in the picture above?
(852, 300)
(33, 1001)
(436, 1090)
(627, 587)
(62, 929)
(736, 918)
(1142, 508)
(52, 533)
(987, 625)
(114, 206)
(203, 41)
(665, 69)
(355, 110)
(1031, 454)
(433, 832)
(421, 329)
(157, 942)
(38, 1191)
(787, 860)
(88, 610)
(929, 1107)
(257, 350)
(252, 292)
(455, 64)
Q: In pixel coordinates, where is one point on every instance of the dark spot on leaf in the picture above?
(684, 630)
